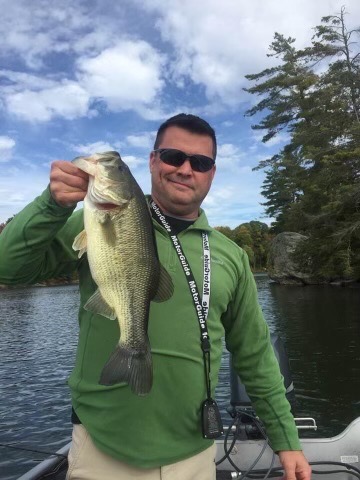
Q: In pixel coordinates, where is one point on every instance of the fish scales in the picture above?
(115, 273)
(123, 260)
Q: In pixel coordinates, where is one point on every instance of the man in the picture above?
(116, 433)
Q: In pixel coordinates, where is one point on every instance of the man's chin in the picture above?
(181, 198)
(179, 205)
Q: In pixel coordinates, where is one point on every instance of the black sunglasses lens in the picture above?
(175, 158)
(200, 163)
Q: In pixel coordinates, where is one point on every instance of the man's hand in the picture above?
(68, 184)
(295, 465)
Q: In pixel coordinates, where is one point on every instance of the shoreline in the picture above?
(39, 285)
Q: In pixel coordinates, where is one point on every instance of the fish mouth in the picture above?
(106, 194)
(104, 202)
(106, 206)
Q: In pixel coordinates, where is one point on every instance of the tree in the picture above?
(242, 236)
(312, 184)
(226, 231)
(3, 225)
(253, 237)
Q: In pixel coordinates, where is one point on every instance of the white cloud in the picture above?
(143, 140)
(228, 123)
(95, 147)
(33, 33)
(16, 190)
(134, 162)
(230, 39)
(229, 157)
(233, 200)
(227, 149)
(100, 146)
(218, 196)
(125, 77)
(7, 146)
(68, 100)
(17, 81)
(14, 171)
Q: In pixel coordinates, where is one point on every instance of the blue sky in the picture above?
(89, 76)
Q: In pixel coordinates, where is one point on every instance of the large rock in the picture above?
(282, 267)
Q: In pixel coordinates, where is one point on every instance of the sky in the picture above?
(89, 76)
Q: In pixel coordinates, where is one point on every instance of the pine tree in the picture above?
(312, 185)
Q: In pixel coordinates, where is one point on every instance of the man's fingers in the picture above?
(68, 184)
(68, 167)
(68, 199)
(295, 465)
(69, 180)
(69, 174)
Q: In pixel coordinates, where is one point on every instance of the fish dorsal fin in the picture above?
(165, 288)
(80, 243)
(96, 304)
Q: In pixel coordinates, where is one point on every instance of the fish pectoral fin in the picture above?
(110, 233)
(165, 288)
(80, 243)
(107, 226)
(96, 304)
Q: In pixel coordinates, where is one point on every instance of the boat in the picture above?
(243, 451)
(333, 458)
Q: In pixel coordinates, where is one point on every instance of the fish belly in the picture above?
(124, 265)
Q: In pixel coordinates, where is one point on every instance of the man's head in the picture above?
(192, 124)
(182, 164)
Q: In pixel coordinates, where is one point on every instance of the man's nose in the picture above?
(185, 168)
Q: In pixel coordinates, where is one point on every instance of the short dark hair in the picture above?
(188, 122)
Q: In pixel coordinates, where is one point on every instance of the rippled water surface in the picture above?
(320, 327)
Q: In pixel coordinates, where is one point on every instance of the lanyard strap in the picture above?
(207, 271)
(201, 306)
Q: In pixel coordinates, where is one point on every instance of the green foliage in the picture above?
(312, 184)
(254, 238)
(3, 225)
(226, 231)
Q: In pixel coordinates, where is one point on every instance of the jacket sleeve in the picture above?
(248, 339)
(37, 242)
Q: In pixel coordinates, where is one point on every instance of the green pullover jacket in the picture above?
(164, 426)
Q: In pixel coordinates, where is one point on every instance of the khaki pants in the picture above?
(87, 462)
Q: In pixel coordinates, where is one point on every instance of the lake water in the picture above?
(320, 327)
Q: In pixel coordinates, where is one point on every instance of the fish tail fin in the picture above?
(131, 366)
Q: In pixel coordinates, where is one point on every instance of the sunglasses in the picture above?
(175, 158)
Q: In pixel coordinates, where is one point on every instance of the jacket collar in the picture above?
(201, 223)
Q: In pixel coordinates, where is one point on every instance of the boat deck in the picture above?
(339, 454)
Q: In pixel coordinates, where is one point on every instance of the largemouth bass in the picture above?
(121, 251)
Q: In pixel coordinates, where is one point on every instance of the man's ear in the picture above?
(213, 172)
(151, 161)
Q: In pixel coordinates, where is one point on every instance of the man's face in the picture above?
(180, 190)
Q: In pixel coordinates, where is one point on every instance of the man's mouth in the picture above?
(181, 184)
